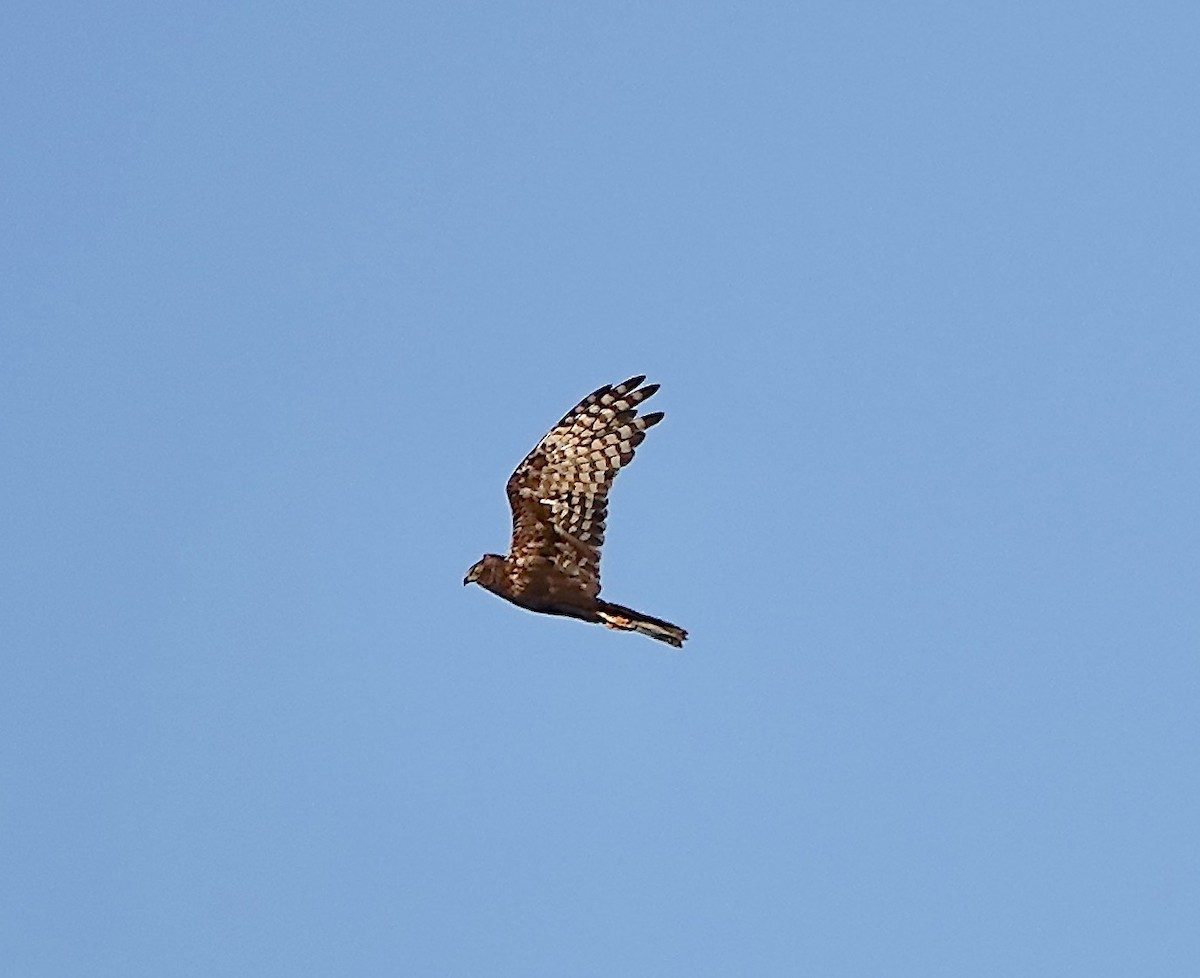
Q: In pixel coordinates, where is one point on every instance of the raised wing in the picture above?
(559, 493)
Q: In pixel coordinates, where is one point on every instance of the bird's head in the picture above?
(481, 570)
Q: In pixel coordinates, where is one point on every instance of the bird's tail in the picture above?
(627, 620)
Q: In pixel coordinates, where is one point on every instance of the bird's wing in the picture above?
(559, 493)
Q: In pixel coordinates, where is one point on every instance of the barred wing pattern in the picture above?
(559, 493)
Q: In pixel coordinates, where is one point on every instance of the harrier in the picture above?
(559, 500)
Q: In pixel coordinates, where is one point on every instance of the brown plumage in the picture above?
(559, 500)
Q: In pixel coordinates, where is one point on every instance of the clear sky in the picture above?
(287, 292)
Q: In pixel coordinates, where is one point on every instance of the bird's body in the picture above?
(559, 500)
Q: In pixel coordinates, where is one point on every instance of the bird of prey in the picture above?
(559, 500)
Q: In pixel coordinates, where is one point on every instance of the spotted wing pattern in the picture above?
(559, 493)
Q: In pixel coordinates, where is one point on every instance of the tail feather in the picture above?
(627, 620)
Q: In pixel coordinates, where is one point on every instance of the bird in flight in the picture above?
(559, 500)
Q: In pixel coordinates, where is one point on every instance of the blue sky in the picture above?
(289, 291)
